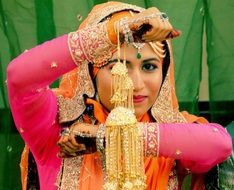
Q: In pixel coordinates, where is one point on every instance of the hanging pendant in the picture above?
(138, 55)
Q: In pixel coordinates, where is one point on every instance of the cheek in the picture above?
(103, 81)
(154, 86)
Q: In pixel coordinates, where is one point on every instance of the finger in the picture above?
(161, 35)
(161, 31)
(164, 32)
(71, 146)
(175, 33)
(63, 155)
(82, 147)
(158, 25)
(60, 140)
(68, 151)
(72, 139)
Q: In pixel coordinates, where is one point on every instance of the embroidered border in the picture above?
(151, 139)
(96, 44)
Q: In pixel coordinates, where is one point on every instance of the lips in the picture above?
(139, 98)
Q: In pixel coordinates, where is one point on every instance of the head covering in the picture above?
(77, 83)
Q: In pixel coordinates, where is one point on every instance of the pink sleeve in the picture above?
(198, 146)
(33, 104)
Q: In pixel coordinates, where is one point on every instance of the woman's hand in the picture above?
(151, 25)
(78, 140)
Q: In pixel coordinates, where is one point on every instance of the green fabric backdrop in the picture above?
(26, 23)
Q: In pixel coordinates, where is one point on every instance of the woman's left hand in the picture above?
(151, 25)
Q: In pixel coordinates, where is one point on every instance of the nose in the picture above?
(137, 79)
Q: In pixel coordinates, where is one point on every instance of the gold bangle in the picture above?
(100, 138)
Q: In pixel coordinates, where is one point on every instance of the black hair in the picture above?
(166, 60)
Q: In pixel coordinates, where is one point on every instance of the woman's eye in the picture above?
(149, 67)
(110, 66)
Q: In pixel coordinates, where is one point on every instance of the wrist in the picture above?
(91, 44)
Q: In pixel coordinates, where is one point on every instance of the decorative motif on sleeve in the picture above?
(91, 44)
(151, 136)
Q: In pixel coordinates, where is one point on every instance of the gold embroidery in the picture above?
(173, 180)
(96, 44)
(98, 16)
(71, 108)
(151, 139)
(70, 173)
(163, 110)
(75, 49)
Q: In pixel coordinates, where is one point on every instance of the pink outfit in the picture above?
(34, 108)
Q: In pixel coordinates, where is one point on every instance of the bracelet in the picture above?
(84, 134)
(100, 140)
(128, 37)
(65, 131)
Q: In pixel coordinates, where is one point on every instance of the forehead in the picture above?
(131, 51)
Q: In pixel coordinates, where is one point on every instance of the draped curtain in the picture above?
(26, 23)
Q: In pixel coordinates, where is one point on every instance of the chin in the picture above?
(138, 114)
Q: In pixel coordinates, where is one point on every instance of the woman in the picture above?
(175, 143)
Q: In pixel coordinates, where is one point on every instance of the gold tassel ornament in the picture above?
(124, 141)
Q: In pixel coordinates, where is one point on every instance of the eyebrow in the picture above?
(116, 60)
(151, 59)
(128, 62)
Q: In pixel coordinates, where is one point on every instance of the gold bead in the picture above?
(54, 65)
(21, 130)
(178, 152)
(215, 130)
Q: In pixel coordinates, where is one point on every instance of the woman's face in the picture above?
(146, 74)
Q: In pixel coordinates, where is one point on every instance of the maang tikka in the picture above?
(139, 47)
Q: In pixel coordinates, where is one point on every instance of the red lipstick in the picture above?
(139, 98)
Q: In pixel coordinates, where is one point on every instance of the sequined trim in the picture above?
(75, 50)
(173, 180)
(163, 110)
(151, 139)
(71, 108)
(98, 16)
(70, 173)
(96, 44)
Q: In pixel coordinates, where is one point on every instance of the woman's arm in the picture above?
(197, 146)
(33, 104)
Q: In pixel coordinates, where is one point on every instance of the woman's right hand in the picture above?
(69, 147)
(79, 139)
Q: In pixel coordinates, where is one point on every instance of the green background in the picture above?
(26, 23)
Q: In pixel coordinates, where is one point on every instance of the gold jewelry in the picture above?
(124, 143)
(100, 138)
(139, 47)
